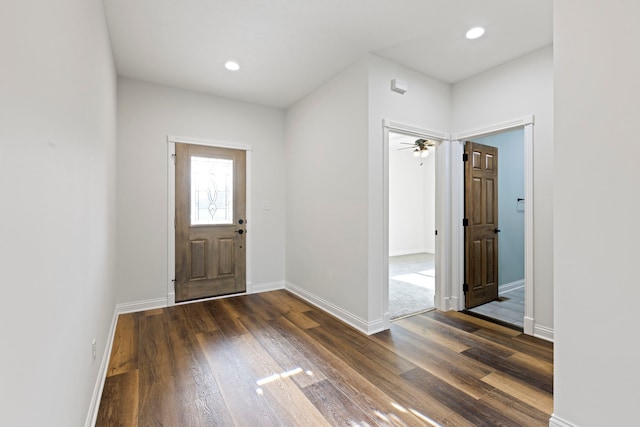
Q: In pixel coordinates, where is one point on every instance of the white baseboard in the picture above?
(510, 286)
(149, 304)
(356, 322)
(556, 421)
(543, 332)
(529, 324)
(453, 303)
(94, 406)
(412, 252)
(264, 287)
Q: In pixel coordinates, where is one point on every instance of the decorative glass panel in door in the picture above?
(211, 191)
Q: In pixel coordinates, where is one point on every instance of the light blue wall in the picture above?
(510, 213)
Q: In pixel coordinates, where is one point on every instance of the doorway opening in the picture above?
(499, 276)
(412, 224)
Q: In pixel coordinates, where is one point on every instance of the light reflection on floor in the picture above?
(388, 418)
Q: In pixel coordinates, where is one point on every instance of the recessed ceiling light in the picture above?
(475, 32)
(231, 65)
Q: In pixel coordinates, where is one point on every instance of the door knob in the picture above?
(240, 231)
(496, 230)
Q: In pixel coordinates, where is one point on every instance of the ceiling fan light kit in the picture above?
(421, 152)
(420, 148)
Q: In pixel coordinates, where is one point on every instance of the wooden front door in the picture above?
(481, 224)
(210, 221)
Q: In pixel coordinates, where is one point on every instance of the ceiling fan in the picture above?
(420, 147)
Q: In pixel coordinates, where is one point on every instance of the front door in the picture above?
(481, 220)
(210, 221)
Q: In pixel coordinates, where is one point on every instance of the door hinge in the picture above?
(436, 232)
(173, 157)
(465, 222)
(465, 157)
(465, 288)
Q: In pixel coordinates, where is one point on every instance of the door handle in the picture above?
(240, 231)
(496, 230)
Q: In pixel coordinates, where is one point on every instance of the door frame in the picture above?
(171, 208)
(441, 214)
(457, 212)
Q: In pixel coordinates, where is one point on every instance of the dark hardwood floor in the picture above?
(271, 359)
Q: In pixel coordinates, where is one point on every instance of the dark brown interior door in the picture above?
(481, 218)
(210, 221)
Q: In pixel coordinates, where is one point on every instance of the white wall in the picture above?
(425, 105)
(519, 88)
(58, 227)
(147, 113)
(411, 202)
(335, 206)
(596, 205)
(326, 151)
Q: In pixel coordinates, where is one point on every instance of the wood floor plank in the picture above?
(152, 312)
(469, 339)
(272, 359)
(286, 301)
(206, 411)
(514, 369)
(192, 375)
(154, 355)
(523, 414)
(300, 319)
(536, 342)
(277, 387)
(335, 406)
(517, 345)
(257, 306)
(236, 381)
(124, 350)
(464, 324)
(361, 391)
(119, 403)
(464, 374)
(286, 355)
(159, 405)
(225, 315)
(334, 332)
(476, 411)
(157, 394)
(198, 318)
(533, 363)
(433, 331)
(389, 382)
(483, 324)
(521, 391)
